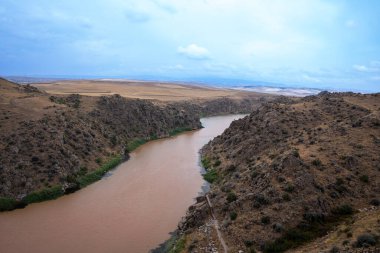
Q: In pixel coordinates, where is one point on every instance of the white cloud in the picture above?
(193, 51)
(363, 68)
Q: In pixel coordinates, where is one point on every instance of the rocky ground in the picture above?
(48, 140)
(291, 172)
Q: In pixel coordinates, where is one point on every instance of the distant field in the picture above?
(143, 90)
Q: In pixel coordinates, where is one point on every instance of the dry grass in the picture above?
(142, 90)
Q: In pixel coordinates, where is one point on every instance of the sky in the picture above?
(305, 43)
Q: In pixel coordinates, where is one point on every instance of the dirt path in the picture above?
(216, 226)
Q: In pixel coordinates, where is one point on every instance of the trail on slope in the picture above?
(216, 226)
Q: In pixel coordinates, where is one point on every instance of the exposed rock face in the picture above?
(47, 140)
(291, 163)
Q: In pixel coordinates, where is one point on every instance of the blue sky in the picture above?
(309, 43)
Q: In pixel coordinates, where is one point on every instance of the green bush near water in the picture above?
(206, 163)
(211, 176)
(179, 245)
(7, 204)
(96, 175)
(44, 194)
(179, 130)
(132, 145)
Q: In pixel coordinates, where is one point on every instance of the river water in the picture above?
(132, 210)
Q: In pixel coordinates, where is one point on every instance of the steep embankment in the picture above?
(291, 171)
(50, 145)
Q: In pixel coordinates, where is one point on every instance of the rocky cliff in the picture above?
(291, 171)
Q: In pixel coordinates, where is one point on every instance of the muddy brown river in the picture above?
(132, 210)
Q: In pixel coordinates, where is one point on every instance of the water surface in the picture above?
(133, 210)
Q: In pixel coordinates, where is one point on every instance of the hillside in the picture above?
(290, 172)
(52, 145)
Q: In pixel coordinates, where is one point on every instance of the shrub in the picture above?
(364, 178)
(205, 162)
(316, 162)
(233, 215)
(179, 130)
(265, 220)
(231, 197)
(134, 144)
(339, 181)
(98, 160)
(374, 202)
(7, 204)
(286, 197)
(217, 163)
(179, 245)
(211, 175)
(334, 249)
(343, 210)
(296, 153)
(289, 188)
(365, 240)
(248, 243)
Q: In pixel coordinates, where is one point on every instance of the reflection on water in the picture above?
(133, 210)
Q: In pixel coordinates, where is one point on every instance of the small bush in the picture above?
(7, 204)
(265, 220)
(233, 215)
(296, 153)
(364, 178)
(231, 197)
(132, 145)
(286, 197)
(334, 249)
(179, 245)
(316, 162)
(206, 162)
(217, 163)
(365, 240)
(248, 243)
(375, 202)
(343, 210)
(339, 181)
(289, 188)
(211, 175)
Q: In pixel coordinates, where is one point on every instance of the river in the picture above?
(132, 209)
